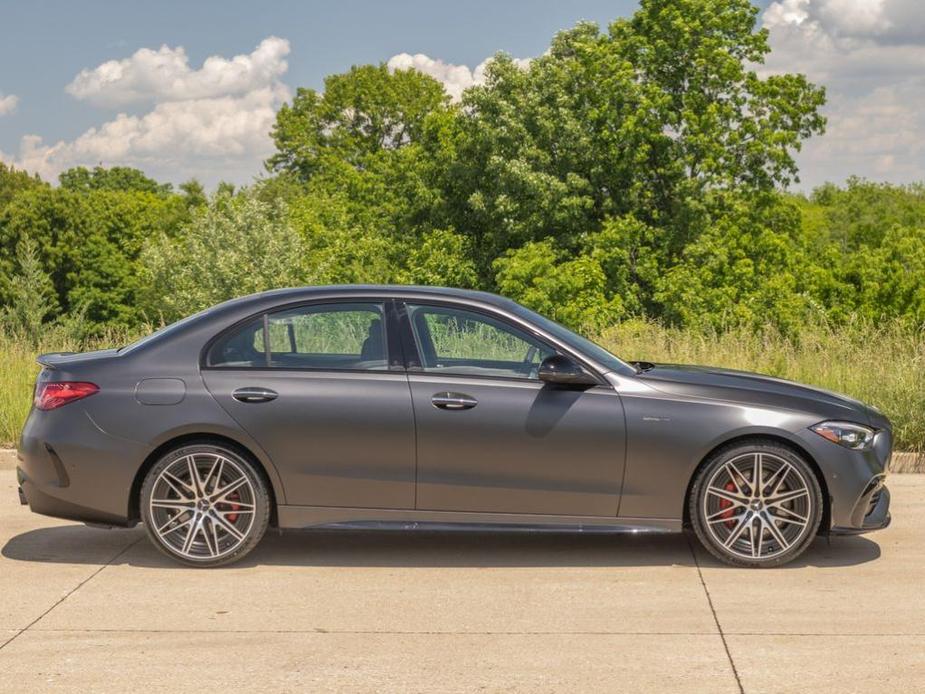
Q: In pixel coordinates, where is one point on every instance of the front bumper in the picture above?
(872, 511)
(859, 501)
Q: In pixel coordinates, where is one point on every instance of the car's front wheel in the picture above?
(756, 504)
(205, 505)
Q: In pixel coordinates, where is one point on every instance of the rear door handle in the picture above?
(453, 401)
(254, 395)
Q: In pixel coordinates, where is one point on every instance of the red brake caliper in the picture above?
(725, 503)
(232, 517)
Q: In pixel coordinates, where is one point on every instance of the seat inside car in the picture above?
(373, 348)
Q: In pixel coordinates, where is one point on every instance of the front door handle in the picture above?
(453, 401)
(254, 395)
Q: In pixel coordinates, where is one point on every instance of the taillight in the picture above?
(53, 394)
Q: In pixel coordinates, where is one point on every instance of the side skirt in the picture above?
(388, 519)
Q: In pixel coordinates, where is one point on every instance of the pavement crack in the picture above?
(719, 627)
(73, 590)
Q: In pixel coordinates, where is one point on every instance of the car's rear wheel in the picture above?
(205, 505)
(756, 504)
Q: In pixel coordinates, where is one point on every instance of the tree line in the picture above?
(634, 171)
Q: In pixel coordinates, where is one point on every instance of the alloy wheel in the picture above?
(202, 506)
(757, 506)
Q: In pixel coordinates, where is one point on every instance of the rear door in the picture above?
(322, 391)
(491, 437)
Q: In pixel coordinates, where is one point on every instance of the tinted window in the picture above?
(456, 341)
(331, 336)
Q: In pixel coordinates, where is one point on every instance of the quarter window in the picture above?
(330, 337)
(467, 343)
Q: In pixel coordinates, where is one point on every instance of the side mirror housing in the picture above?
(561, 370)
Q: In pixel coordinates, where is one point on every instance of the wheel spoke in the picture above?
(228, 527)
(239, 506)
(217, 464)
(728, 496)
(756, 538)
(757, 475)
(738, 530)
(191, 535)
(722, 514)
(776, 480)
(793, 516)
(233, 511)
(174, 504)
(776, 533)
(219, 496)
(783, 498)
(209, 536)
(181, 488)
(735, 476)
(215, 536)
(172, 519)
(194, 476)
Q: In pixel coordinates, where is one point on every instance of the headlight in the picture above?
(854, 436)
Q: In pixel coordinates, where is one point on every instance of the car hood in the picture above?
(756, 389)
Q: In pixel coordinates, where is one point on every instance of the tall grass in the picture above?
(881, 364)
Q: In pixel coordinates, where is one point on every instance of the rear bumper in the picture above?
(70, 468)
(53, 504)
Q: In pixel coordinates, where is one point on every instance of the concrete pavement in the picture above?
(96, 610)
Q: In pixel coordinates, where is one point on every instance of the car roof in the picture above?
(346, 290)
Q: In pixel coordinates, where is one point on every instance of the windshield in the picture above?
(582, 344)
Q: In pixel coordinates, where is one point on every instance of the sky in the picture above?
(190, 89)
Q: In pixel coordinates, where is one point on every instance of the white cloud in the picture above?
(870, 56)
(212, 123)
(455, 78)
(165, 74)
(8, 103)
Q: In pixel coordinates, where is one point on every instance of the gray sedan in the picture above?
(418, 407)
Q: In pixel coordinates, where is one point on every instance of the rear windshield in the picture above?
(164, 332)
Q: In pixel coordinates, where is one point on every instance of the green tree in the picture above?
(89, 244)
(441, 259)
(359, 114)
(572, 292)
(745, 269)
(31, 297)
(234, 246)
(13, 182)
(646, 120)
(116, 178)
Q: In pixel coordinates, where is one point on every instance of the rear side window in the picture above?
(330, 337)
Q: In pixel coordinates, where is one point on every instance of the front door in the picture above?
(313, 386)
(491, 437)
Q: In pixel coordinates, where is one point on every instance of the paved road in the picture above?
(95, 610)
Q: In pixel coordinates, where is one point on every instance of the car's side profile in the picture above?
(393, 406)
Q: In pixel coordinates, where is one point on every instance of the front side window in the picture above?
(468, 343)
(330, 337)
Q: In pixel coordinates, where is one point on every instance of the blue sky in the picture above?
(185, 120)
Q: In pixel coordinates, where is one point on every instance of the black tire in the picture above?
(247, 514)
(721, 523)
